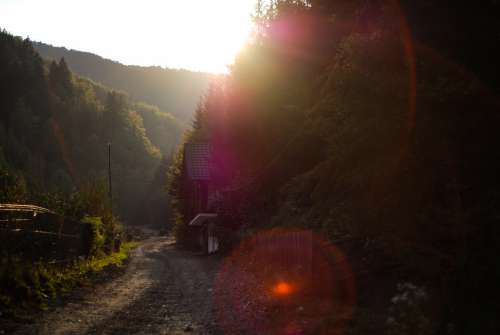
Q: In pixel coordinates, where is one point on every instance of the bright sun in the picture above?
(198, 35)
(201, 35)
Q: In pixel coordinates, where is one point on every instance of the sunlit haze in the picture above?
(192, 34)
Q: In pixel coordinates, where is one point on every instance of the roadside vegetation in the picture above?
(34, 279)
(26, 286)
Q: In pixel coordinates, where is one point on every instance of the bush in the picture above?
(94, 236)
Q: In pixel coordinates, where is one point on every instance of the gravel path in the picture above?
(163, 291)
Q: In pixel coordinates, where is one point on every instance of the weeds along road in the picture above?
(163, 291)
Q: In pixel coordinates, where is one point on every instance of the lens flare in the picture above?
(282, 289)
(284, 282)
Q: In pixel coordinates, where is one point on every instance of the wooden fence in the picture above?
(35, 233)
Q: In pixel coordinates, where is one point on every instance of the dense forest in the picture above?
(54, 132)
(174, 91)
(376, 122)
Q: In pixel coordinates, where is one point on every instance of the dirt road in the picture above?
(163, 291)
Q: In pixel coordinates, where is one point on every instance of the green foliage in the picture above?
(91, 199)
(97, 234)
(60, 79)
(161, 128)
(55, 129)
(25, 285)
(175, 177)
(175, 91)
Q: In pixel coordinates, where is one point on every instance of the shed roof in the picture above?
(197, 160)
(202, 218)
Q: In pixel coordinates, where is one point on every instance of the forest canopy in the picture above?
(174, 91)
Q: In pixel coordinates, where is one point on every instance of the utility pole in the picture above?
(109, 178)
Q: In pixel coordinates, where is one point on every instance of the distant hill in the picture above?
(174, 91)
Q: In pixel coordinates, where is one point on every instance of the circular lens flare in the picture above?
(284, 282)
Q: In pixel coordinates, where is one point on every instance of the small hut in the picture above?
(200, 189)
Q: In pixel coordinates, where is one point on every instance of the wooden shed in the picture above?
(200, 189)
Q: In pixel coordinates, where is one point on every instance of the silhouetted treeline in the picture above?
(174, 91)
(55, 128)
(362, 119)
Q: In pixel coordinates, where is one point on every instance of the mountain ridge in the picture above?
(176, 91)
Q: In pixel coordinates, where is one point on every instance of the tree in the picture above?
(60, 79)
(113, 113)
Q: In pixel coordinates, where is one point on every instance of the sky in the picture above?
(200, 35)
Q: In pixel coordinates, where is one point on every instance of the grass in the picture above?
(97, 264)
(26, 285)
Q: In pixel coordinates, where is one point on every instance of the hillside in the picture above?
(336, 119)
(174, 91)
(55, 128)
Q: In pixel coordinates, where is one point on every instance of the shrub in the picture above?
(94, 235)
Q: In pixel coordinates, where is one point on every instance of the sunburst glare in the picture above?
(192, 34)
